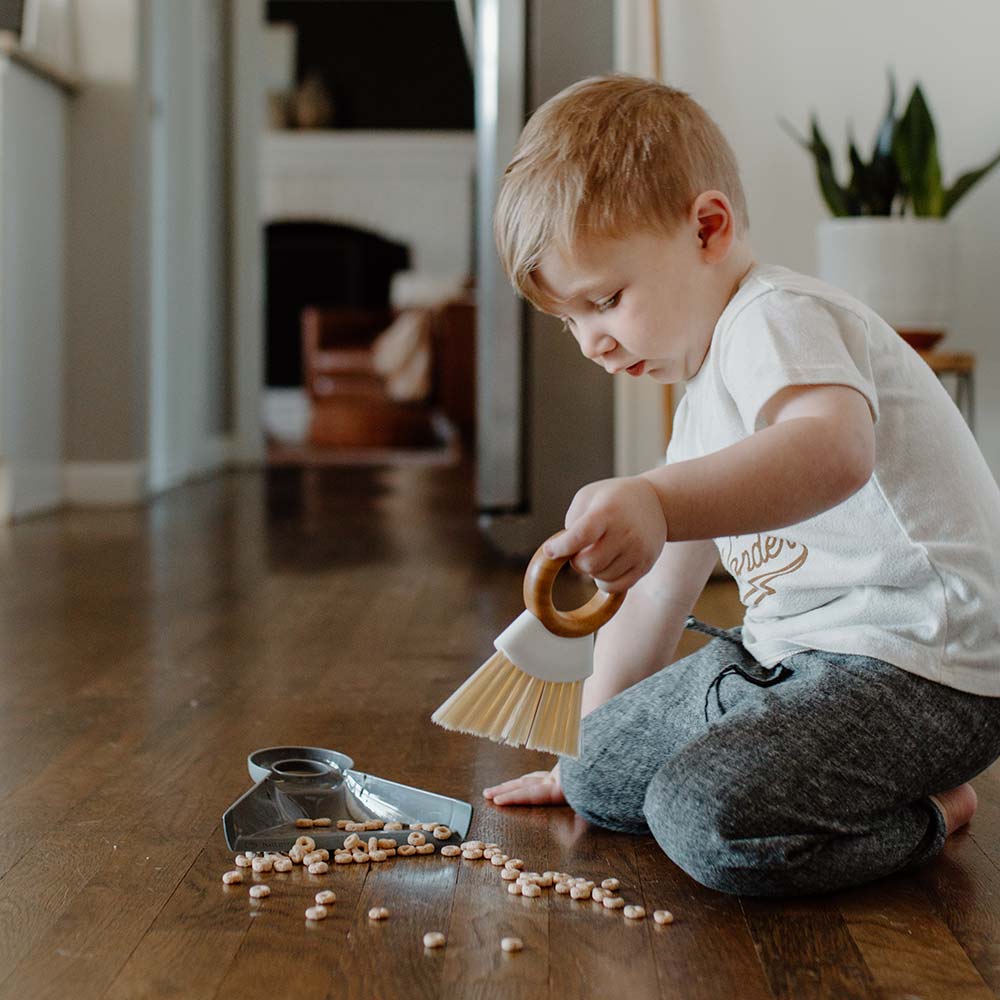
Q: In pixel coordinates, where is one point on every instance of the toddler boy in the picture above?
(830, 739)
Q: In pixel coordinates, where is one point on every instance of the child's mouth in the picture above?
(637, 369)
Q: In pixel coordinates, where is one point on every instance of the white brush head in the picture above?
(531, 647)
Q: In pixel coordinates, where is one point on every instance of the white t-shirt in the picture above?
(907, 569)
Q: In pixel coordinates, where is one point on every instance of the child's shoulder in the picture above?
(777, 291)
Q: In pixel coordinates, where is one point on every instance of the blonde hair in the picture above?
(607, 157)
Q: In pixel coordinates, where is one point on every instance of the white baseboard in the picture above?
(105, 484)
(29, 488)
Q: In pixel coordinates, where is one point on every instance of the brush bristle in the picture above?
(507, 705)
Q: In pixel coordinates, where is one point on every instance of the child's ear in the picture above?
(712, 215)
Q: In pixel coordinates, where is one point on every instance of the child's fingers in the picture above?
(579, 535)
(534, 793)
(514, 783)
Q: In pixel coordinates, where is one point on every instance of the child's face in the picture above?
(644, 304)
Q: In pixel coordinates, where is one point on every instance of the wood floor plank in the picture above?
(964, 886)
(909, 949)
(143, 654)
(195, 937)
(807, 950)
(707, 952)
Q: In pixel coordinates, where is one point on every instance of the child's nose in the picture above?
(596, 345)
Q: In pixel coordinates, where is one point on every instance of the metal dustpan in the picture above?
(309, 782)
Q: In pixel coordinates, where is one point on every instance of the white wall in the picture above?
(749, 63)
(105, 417)
(32, 226)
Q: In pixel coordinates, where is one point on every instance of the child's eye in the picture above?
(608, 303)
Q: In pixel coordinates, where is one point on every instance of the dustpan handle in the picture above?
(539, 578)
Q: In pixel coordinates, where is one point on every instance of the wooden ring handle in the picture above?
(538, 580)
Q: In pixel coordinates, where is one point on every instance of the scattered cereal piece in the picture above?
(360, 857)
(512, 944)
(233, 877)
(307, 842)
(321, 855)
(319, 868)
(515, 888)
(325, 896)
(499, 860)
(514, 863)
(441, 832)
(303, 823)
(426, 849)
(530, 890)
(377, 855)
(283, 865)
(372, 844)
(262, 865)
(613, 902)
(434, 939)
(635, 912)
(611, 884)
(343, 859)
(323, 821)
(242, 861)
(598, 894)
(394, 825)
(564, 888)
(473, 845)
(405, 850)
(385, 844)
(578, 892)
(472, 854)
(663, 916)
(451, 850)
(355, 827)
(351, 841)
(378, 913)
(342, 823)
(428, 827)
(259, 891)
(416, 839)
(374, 824)
(508, 874)
(316, 913)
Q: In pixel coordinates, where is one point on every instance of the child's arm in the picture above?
(643, 636)
(818, 450)
(640, 639)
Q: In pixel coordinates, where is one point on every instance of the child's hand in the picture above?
(615, 530)
(538, 788)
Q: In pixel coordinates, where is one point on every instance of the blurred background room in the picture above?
(254, 235)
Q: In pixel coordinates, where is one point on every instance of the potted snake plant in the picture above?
(890, 242)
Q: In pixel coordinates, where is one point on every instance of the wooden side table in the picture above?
(962, 366)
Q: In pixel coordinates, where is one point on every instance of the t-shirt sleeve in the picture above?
(783, 339)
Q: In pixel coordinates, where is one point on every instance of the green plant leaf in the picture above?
(915, 150)
(837, 199)
(883, 136)
(965, 183)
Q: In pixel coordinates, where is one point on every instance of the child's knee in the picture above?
(597, 797)
(699, 824)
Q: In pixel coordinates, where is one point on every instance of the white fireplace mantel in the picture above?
(410, 186)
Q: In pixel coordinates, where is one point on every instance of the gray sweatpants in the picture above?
(804, 777)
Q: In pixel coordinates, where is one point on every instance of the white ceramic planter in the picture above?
(904, 268)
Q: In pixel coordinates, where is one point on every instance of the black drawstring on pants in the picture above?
(774, 675)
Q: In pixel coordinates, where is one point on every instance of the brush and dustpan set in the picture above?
(527, 694)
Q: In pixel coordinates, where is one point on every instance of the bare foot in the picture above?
(958, 805)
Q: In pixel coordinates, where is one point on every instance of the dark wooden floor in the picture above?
(143, 654)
